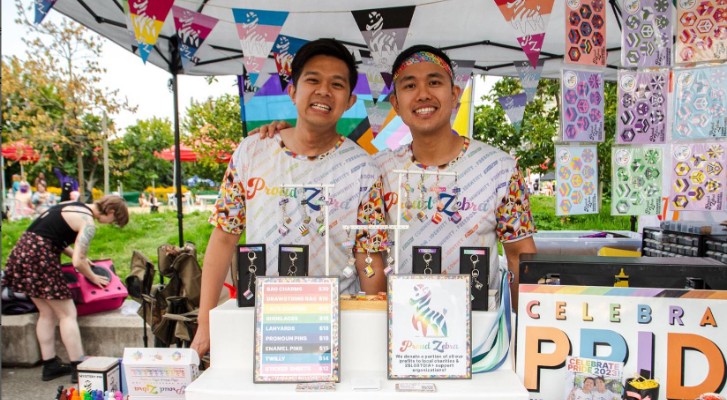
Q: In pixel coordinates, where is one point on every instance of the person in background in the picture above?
(40, 179)
(23, 202)
(602, 393)
(143, 203)
(584, 393)
(16, 183)
(536, 186)
(42, 199)
(68, 186)
(34, 268)
(251, 198)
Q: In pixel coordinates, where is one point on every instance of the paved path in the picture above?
(25, 383)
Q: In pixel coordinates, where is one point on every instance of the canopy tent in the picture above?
(17, 151)
(186, 154)
(466, 29)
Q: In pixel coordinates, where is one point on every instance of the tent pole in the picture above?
(177, 159)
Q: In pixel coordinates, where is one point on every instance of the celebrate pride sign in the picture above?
(679, 335)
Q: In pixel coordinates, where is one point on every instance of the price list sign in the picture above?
(296, 329)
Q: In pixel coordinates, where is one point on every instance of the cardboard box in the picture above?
(99, 373)
(159, 373)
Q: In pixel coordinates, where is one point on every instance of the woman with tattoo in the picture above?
(34, 268)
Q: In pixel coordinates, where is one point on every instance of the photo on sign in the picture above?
(429, 327)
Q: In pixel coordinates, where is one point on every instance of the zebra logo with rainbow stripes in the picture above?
(430, 322)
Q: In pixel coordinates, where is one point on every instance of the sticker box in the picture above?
(99, 373)
(159, 373)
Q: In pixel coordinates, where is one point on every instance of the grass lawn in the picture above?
(145, 232)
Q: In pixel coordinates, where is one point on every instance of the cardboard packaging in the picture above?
(159, 373)
(99, 373)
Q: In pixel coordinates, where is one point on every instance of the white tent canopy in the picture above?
(467, 29)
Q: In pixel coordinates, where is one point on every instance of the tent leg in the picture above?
(177, 159)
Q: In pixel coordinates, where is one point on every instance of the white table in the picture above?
(363, 355)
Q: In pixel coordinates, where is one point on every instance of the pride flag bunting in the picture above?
(529, 77)
(284, 50)
(514, 107)
(528, 19)
(258, 31)
(384, 30)
(147, 18)
(42, 8)
(192, 30)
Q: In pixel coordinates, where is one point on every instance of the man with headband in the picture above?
(486, 201)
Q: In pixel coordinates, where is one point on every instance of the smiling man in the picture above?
(252, 197)
(486, 201)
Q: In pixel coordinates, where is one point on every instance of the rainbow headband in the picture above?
(423, 56)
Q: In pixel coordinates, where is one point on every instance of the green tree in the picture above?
(135, 151)
(55, 101)
(213, 129)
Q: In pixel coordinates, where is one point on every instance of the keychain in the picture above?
(292, 269)
(427, 259)
(369, 270)
(349, 245)
(252, 256)
(474, 258)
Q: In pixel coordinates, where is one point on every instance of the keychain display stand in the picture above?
(363, 357)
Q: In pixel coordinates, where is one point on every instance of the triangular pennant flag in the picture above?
(42, 8)
(130, 26)
(462, 70)
(514, 107)
(384, 30)
(529, 77)
(192, 30)
(528, 19)
(461, 123)
(377, 113)
(258, 30)
(532, 45)
(373, 74)
(284, 50)
(147, 18)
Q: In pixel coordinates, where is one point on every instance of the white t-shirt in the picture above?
(250, 197)
(581, 395)
(493, 203)
(606, 395)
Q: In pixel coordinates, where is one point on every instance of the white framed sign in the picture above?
(297, 329)
(429, 327)
(678, 335)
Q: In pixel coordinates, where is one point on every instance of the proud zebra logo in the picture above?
(428, 321)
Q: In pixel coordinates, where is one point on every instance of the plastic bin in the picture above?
(577, 242)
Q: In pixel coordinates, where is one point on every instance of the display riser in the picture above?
(363, 355)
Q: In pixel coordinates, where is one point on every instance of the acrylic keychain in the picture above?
(369, 270)
(321, 219)
(306, 218)
(437, 216)
(455, 217)
(349, 244)
(422, 189)
(292, 269)
(390, 258)
(406, 214)
(252, 269)
(427, 259)
(283, 229)
(474, 258)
